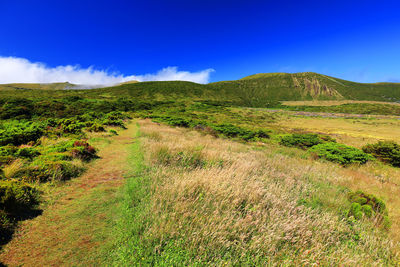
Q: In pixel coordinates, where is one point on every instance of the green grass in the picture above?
(132, 212)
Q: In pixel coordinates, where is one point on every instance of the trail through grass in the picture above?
(77, 222)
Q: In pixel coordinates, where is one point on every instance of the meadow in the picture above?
(170, 180)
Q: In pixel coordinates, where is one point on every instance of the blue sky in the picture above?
(354, 40)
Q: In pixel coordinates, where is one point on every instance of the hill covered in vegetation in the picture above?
(259, 90)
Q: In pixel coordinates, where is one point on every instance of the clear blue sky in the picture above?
(355, 40)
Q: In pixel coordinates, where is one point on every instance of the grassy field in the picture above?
(142, 174)
(191, 198)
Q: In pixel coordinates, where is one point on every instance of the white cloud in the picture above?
(21, 70)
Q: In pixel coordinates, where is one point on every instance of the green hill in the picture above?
(257, 90)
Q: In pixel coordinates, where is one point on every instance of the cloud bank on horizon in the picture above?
(21, 70)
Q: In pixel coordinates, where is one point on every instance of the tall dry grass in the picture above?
(256, 207)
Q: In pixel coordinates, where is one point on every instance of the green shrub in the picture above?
(386, 151)
(47, 171)
(72, 126)
(54, 156)
(16, 108)
(66, 150)
(369, 206)
(23, 152)
(304, 141)
(340, 153)
(111, 122)
(16, 199)
(230, 130)
(20, 132)
(113, 132)
(96, 127)
(16, 196)
(173, 121)
(82, 150)
(10, 153)
(115, 118)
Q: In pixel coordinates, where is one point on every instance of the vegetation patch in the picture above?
(44, 171)
(304, 141)
(365, 205)
(342, 154)
(385, 151)
(19, 132)
(230, 130)
(16, 199)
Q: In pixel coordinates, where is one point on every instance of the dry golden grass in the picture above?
(355, 132)
(13, 168)
(257, 203)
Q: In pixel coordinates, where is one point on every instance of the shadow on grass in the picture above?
(6, 234)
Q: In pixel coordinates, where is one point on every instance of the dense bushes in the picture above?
(305, 141)
(20, 132)
(386, 151)
(231, 130)
(367, 205)
(82, 150)
(16, 108)
(173, 121)
(43, 171)
(340, 153)
(16, 199)
(10, 153)
(16, 196)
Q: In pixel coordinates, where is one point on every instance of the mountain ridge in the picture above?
(255, 90)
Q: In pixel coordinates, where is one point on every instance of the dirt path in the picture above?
(75, 228)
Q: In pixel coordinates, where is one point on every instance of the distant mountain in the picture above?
(256, 90)
(307, 86)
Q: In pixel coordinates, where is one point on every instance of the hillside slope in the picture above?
(307, 86)
(257, 90)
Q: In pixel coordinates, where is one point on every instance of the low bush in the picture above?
(115, 118)
(16, 199)
(340, 153)
(20, 132)
(10, 153)
(16, 196)
(113, 132)
(21, 152)
(173, 121)
(39, 171)
(96, 127)
(385, 151)
(83, 151)
(16, 108)
(230, 130)
(367, 205)
(304, 141)
(71, 126)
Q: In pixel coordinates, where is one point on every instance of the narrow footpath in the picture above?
(76, 224)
